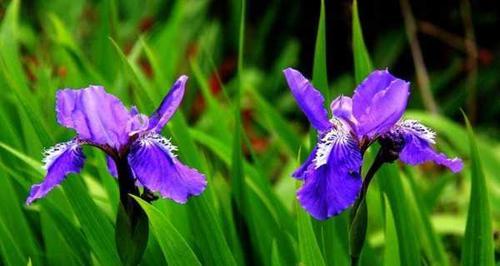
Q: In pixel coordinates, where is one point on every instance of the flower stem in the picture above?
(132, 225)
(379, 161)
(359, 214)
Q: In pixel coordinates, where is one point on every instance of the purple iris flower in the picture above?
(331, 174)
(131, 141)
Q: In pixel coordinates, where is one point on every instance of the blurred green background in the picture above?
(136, 49)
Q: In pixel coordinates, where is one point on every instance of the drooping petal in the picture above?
(60, 160)
(308, 98)
(417, 147)
(301, 171)
(110, 163)
(97, 117)
(379, 102)
(168, 106)
(156, 167)
(333, 184)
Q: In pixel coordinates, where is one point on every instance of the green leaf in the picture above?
(173, 245)
(8, 249)
(391, 185)
(57, 250)
(143, 94)
(131, 235)
(309, 250)
(209, 234)
(391, 250)
(237, 175)
(14, 219)
(320, 71)
(362, 63)
(96, 226)
(429, 240)
(266, 217)
(477, 247)
(275, 256)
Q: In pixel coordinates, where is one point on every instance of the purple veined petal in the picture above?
(60, 160)
(111, 165)
(417, 146)
(137, 123)
(156, 167)
(342, 108)
(379, 102)
(301, 171)
(334, 182)
(97, 117)
(168, 106)
(308, 98)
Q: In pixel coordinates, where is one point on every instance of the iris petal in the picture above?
(417, 147)
(333, 185)
(342, 108)
(168, 106)
(97, 117)
(300, 172)
(156, 167)
(379, 102)
(61, 160)
(308, 98)
(110, 163)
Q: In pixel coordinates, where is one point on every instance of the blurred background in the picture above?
(456, 41)
(449, 50)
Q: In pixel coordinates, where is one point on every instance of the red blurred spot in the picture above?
(146, 24)
(192, 50)
(30, 62)
(226, 69)
(146, 67)
(259, 143)
(62, 71)
(485, 57)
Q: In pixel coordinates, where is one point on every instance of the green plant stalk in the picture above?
(132, 228)
(359, 213)
(388, 153)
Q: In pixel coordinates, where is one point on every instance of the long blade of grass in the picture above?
(309, 250)
(478, 242)
(362, 62)
(238, 182)
(320, 70)
(174, 247)
(209, 234)
(391, 184)
(95, 225)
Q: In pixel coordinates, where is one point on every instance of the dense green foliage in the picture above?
(242, 133)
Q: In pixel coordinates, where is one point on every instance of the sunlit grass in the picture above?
(242, 134)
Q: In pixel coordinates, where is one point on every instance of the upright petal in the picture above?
(168, 106)
(60, 160)
(308, 98)
(333, 184)
(97, 117)
(342, 108)
(156, 167)
(417, 146)
(379, 102)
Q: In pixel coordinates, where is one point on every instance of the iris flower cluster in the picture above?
(332, 172)
(138, 155)
(136, 151)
